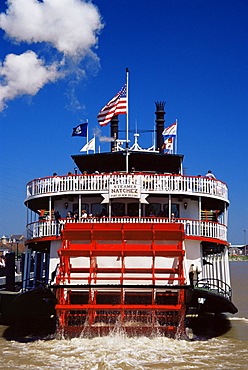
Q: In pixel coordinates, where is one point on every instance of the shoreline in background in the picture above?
(238, 258)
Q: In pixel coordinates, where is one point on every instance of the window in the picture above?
(133, 209)
(153, 209)
(98, 209)
(174, 210)
(83, 206)
(118, 209)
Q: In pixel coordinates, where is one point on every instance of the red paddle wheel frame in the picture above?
(96, 298)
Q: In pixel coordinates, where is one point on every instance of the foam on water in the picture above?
(239, 319)
(119, 352)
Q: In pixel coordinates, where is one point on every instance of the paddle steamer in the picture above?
(128, 241)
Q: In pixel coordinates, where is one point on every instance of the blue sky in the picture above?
(190, 53)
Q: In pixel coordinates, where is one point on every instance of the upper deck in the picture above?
(133, 185)
(108, 184)
(106, 175)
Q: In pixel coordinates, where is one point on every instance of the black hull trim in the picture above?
(36, 305)
(33, 312)
(212, 302)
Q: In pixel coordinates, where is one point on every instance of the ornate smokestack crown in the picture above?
(160, 105)
(160, 124)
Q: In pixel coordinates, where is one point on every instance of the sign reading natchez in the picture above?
(124, 191)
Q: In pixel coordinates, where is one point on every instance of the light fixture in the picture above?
(66, 205)
(185, 205)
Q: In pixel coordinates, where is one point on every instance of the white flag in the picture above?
(170, 131)
(89, 146)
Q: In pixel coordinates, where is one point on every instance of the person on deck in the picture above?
(210, 175)
(84, 215)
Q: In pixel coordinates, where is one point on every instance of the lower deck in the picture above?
(130, 276)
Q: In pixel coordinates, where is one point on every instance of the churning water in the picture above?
(120, 352)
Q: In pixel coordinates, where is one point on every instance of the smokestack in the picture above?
(160, 124)
(114, 129)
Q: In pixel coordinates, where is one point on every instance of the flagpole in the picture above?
(154, 130)
(176, 139)
(127, 119)
(87, 133)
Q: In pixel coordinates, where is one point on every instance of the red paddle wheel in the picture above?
(126, 275)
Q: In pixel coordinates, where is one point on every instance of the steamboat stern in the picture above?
(141, 247)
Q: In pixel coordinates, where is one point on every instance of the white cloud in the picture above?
(71, 26)
(24, 74)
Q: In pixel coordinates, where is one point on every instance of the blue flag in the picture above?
(80, 130)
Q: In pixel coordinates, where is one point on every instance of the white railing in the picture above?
(156, 183)
(207, 229)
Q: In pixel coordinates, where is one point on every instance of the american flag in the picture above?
(118, 105)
